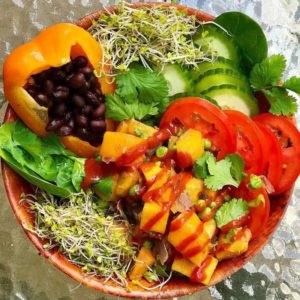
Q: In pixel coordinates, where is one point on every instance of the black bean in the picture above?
(87, 110)
(60, 109)
(65, 130)
(40, 77)
(78, 101)
(71, 123)
(85, 87)
(42, 99)
(92, 98)
(81, 121)
(80, 61)
(33, 90)
(82, 133)
(98, 125)
(69, 67)
(87, 71)
(61, 92)
(68, 116)
(54, 125)
(48, 86)
(94, 82)
(77, 81)
(99, 111)
(98, 93)
(58, 75)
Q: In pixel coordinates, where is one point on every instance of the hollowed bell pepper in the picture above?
(53, 47)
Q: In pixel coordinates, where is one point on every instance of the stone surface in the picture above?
(273, 274)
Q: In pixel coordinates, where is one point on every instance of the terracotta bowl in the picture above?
(15, 185)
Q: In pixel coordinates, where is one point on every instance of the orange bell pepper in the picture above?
(53, 47)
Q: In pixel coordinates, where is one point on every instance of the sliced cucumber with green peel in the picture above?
(231, 97)
(178, 79)
(218, 63)
(216, 77)
(217, 42)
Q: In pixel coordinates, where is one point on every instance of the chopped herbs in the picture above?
(255, 182)
(217, 174)
(230, 211)
(151, 35)
(266, 77)
(139, 94)
(97, 242)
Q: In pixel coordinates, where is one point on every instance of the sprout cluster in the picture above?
(99, 244)
(151, 35)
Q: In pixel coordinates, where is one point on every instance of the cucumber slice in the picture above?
(218, 77)
(218, 63)
(177, 79)
(229, 96)
(216, 41)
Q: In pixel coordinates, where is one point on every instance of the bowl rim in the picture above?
(15, 185)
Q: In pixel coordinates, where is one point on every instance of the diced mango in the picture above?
(186, 229)
(209, 269)
(116, 143)
(198, 258)
(210, 227)
(144, 260)
(150, 210)
(193, 187)
(183, 266)
(236, 248)
(136, 128)
(160, 180)
(126, 181)
(189, 146)
(150, 170)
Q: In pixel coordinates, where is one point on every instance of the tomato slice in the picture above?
(201, 115)
(249, 142)
(275, 159)
(288, 137)
(258, 215)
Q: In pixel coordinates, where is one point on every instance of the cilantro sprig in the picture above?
(230, 211)
(217, 174)
(140, 93)
(267, 76)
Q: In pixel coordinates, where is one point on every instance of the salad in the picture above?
(154, 142)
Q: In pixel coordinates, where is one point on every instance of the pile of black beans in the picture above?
(73, 96)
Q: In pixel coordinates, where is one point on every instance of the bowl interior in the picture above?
(15, 186)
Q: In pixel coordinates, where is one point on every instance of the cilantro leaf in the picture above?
(231, 211)
(200, 168)
(268, 72)
(281, 102)
(293, 84)
(117, 109)
(237, 167)
(140, 93)
(220, 174)
(143, 84)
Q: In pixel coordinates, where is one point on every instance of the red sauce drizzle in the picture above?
(184, 160)
(190, 238)
(198, 274)
(179, 221)
(152, 142)
(177, 184)
(195, 250)
(240, 222)
(95, 170)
